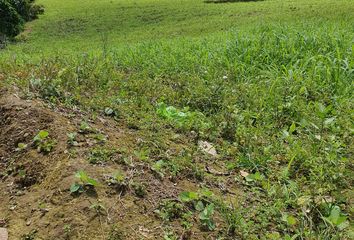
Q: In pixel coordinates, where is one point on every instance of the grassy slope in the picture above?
(283, 109)
(81, 26)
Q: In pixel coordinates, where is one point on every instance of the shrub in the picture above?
(14, 14)
(27, 9)
(11, 22)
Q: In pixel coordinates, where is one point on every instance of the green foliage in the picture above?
(201, 201)
(21, 146)
(206, 216)
(99, 208)
(336, 218)
(43, 142)
(27, 9)
(11, 22)
(14, 13)
(158, 168)
(72, 139)
(170, 210)
(83, 181)
(182, 119)
(119, 181)
(139, 189)
(274, 99)
(86, 128)
(188, 196)
(100, 155)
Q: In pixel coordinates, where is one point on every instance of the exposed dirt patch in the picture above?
(35, 197)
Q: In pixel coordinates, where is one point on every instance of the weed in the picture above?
(206, 215)
(170, 210)
(43, 143)
(85, 128)
(21, 146)
(158, 168)
(183, 119)
(72, 139)
(119, 181)
(99, 208)
(100, 155)
(101, 138)
(84, 181)
(139, 189)
(202, 203)
(67, 231)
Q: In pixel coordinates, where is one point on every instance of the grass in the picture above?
(268, 83)
(115, 23)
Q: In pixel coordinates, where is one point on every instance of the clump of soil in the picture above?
(35, 199)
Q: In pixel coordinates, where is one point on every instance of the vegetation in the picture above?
(269, 92)
(14, 13)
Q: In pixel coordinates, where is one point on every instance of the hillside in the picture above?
(159, 119)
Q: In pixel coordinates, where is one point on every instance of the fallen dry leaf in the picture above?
(244, 174)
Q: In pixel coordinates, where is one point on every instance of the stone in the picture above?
(3, 234)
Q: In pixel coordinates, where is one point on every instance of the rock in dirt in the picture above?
(3, 234)
(207, 148)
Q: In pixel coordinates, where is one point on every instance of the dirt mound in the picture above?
(36, 176)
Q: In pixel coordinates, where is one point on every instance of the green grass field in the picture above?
(73, 27)
(268, 83)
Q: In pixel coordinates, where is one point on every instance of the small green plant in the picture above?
(254, 177)
(85, 128)
(201, 202)
(183, 119)
(29, 236)
(187, 219)
(110, 112)
(115, 233)
(101, 138)
(99, 208)
(20, 147)
(139, 189)
(188, 196)
(119, 181)
(84, 181)
(142, 154)
(206, 216)
(100, 155)
(336, 218)
(118, 177)
(43, 142)
(170, 235)
(158, 168)
(170, 210)
(67, 231)
(72, 139)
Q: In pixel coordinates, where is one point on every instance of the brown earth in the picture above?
(35, 197)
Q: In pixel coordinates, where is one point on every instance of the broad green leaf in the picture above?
(91, 182)
(199, 206)
(188, 196)
(41, 135)
(292, 128)
(75, 187)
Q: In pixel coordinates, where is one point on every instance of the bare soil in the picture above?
(35, 199)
